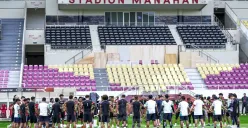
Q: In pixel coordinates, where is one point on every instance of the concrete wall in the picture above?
(231, 57)
(36, 4)
(34, 37)
(244, 43)
(58, 56)
(53, 56)
(12, 4)
(12, 9)
(235, 34)
(35, 18)
(11, 13)
(207, 10)
(189, 59)
(229, 23)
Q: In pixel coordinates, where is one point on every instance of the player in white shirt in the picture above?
(217, 111)
(198, 111)
(167, 110)
(183, 107)
(43, 113)
(151, 107)
(17, 118)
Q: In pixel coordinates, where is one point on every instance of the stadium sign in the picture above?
(136, 2)
(4, 90)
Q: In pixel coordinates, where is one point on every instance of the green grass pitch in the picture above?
(243, 121)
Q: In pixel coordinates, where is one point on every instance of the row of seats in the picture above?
(159, 35)
(202, 36)
(131, 75)
(68, 36)
(76, 75)
(224, 76)
(214, 69)
(4, 78)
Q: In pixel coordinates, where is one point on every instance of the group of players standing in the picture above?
(111, 111)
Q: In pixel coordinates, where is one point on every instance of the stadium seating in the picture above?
(159, 35)
(147, 76)
(202, 36)
(224, 76)
(245, 22)
(4, 75)
(63, 37)
(76, 75)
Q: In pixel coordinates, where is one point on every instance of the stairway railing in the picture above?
(80, 55)
(23, 45)
(225, 32)
(158, 89)
(202, 53)
(188, 90)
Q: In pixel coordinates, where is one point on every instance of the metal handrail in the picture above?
(23, 44)
(225, 32)
(188, 90)
(80, 53)
(201, 52)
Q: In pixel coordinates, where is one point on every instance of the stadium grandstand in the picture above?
(122, 47)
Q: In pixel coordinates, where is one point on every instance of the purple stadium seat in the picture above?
(93, 88)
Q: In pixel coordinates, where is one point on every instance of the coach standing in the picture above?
(244, 104)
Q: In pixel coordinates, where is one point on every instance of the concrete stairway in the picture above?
(11, 44)
(175, 34)
(14, 78)
(101, 78)
(95, 38)
(195, 78)
(11, 49)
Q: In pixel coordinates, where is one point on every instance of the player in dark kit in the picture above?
(105, 109)
(70, 110)
(56, 113)
(32, 112)
(136, 106)
(235, 110)
(88, 107)
(177, 103)
(62, 102)
(122, 111)
(23, 113)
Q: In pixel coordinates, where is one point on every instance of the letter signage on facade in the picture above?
(128, 2)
